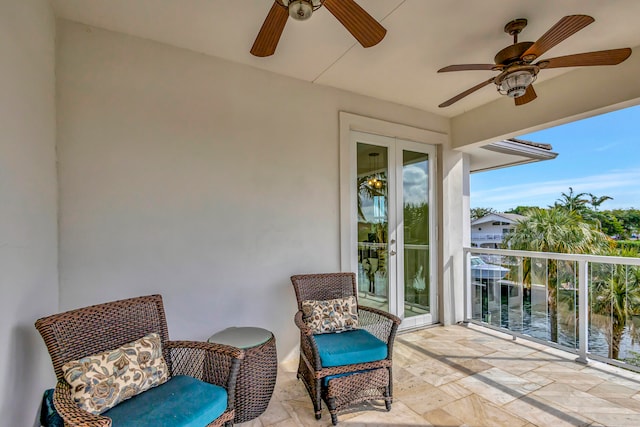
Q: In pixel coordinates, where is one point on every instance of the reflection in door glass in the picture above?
(373, 226)
(415, 190)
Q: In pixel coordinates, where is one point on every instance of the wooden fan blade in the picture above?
(466, 92)
(601, 57)
(528, 96)
(269, 35)
(465, 67)
(564, 28)
(357, 21)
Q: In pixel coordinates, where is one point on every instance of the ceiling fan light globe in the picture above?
(515, 84)
(300, 10)
(516, 92)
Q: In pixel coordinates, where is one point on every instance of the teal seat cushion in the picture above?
(182, 401)
(349, 347)
(49, 417)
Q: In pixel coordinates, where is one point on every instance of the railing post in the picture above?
(583, 310)
(467, 286)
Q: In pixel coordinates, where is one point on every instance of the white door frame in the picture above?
(351, 122)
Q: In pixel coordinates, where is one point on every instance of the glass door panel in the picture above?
(415, 204)
(373, 225)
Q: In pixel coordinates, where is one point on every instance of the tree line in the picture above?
(621, 224)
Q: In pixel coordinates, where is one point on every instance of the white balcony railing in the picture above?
(586, 304)
(490, 237)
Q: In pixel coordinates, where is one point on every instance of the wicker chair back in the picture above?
(324, 286)
(91, 330)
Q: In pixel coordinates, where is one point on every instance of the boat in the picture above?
(482, 271)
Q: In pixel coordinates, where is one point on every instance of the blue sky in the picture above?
(599, 155)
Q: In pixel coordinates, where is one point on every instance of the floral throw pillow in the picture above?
(100, 382)
(333, 315)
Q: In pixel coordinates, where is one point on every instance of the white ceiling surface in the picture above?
(422, 36)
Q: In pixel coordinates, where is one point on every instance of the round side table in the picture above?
(257, 375)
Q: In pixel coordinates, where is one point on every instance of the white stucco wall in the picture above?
(28, 231)
(456, 225)
(203, 180)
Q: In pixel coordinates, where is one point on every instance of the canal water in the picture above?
(527, 314)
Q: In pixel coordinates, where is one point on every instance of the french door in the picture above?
(392, 239)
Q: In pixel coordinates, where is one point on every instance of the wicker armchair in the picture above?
(347, 384)
(95, 329)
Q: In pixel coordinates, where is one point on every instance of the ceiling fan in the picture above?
(515, 62)
(355, 19)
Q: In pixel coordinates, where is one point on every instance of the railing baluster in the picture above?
(467, 287)
(583, 307)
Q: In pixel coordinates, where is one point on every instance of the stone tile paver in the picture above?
(472, 376)
(473, 410)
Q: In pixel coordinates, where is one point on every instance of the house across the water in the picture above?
(490, 230)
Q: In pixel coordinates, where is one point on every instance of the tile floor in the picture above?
(472, 376)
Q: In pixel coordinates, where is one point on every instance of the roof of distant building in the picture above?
(509, 217)
(512, 216)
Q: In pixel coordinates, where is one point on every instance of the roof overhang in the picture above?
(509, 152)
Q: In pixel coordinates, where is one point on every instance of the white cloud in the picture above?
(607, 147)
(414, 182)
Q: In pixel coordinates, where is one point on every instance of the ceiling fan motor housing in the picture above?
(300, 10)
(512, 53)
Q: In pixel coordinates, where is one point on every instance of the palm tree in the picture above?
(559, 230)
(377, 232)
(615, 299)
(556, 230)
(416, 223)
(480, 212)
(596, 201)
(367, 191)
(572, 202)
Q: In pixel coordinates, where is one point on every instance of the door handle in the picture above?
(392, 252)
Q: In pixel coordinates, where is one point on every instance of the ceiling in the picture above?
(422, 36)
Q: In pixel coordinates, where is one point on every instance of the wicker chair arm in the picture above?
(71, 413)
(308, 345)
(301, 324)
(222, 349)
(210, 362)
(381, 324)
(395, 319)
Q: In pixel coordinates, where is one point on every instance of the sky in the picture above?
(598, 155)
